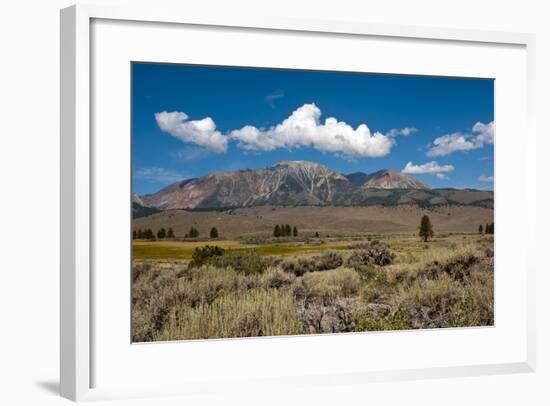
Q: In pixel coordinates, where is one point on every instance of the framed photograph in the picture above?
(271, 203)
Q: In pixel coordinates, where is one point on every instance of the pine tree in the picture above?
(193, 232)
(277, 231)
(161, 233)
(486, 228)
(288, 230)
(140, 234)
(213, 232)
(480, 229)
(295, 232)
(316, 234)
(149, 235)
(426, 229)
(134, 235)
(170, 233)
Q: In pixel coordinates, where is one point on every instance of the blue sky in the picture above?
(188, 121)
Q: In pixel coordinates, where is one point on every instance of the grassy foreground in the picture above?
(287, 289)
(184, 249)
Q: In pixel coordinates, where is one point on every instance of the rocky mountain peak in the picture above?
(285, 183)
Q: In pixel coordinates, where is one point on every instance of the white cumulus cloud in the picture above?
(200, 132)
(446, 144)
(303, 128)
(394, 132)
(484, 178)
(429, 167)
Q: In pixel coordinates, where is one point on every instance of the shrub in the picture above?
(202, 255)
(329, 260)
(334, 317)
(153, 295)
(276, 278)
(300, 266)
(430, 303)
(139, 269)
(378, 286)
(374, 254)
(371, 273)
(396, 320)
(331, 284)
(247, 262)
(458, 267)
(204, 285)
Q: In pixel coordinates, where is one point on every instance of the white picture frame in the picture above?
(76, 279)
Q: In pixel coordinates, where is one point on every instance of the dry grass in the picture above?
(447, 282)
(247, 313)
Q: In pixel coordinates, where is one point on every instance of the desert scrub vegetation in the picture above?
(300, 266)
(249, 313)
(332, 284)
(395, 285)
(248, 262)
(371, 254)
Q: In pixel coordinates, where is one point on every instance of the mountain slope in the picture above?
(139, 209)
(303, 183)
(357, 178)
(286, 183)
(388, 179)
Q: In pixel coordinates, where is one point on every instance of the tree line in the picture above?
(284, 230)
(194, 233)
(161, 234)
(148, 234)
(489, 228)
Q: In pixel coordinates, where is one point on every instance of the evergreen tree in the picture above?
(193, 232)
(149, 235)
(161, 233)
(288, 230)
(316, 234)
(426, 229)
(486, 228)
(213, 232)
(140, 234)
(170, 233)
(295, 232)
(277, 231)
(480, 229)
(134, 235)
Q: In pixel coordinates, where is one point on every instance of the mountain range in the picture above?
(302, 183)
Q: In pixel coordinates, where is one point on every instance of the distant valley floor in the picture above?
(329, 220)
